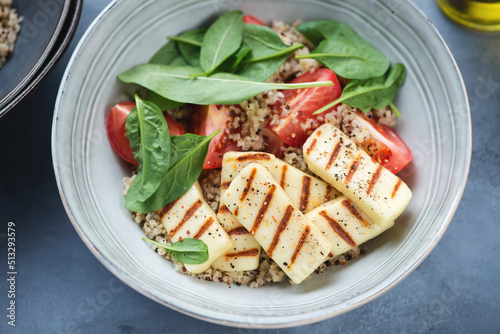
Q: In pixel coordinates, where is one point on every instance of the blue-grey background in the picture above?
(62, 288)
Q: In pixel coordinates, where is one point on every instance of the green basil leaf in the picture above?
(187, 251)
(150, 140)
(349, 59)
(221, 40)
(175, 83)
(267, 54)
(372, 93)
(187, 158)
(168, 53)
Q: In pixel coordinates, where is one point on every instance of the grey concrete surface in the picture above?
(62, 288)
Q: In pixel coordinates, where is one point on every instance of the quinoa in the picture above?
(10, 25)
(251, 118)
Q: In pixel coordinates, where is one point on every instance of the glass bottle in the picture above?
(477, 14)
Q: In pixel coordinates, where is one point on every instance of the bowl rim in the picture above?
(18, 89)
(139, 287)
(55, 55)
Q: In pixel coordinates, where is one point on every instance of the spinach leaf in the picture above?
(168, 53)
(188, 153)
(150, 140)
(188, 251)
(267, 52)
(193, 37)
(342, 50)
(235, 59)
(161, 102)
(190, 45)
(372, 93)
(221, 40)
(316, 31)
(174, 83)
(350, 60)
(179, 61)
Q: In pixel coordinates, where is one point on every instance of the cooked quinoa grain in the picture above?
(10, 25)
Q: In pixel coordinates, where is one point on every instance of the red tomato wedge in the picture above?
(274, 144)
(115, 127)
(302, 103)
(385, 146)
(205, 120)
(252, 20)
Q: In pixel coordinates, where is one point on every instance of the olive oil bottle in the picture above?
(477, 14)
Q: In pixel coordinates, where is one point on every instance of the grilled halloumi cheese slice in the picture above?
(245, 253)
(191, 217)
(334, 157)
(305, 191)
(234, 162)
(264, 209)
(344, 225)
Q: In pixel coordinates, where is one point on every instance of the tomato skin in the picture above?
(252, 20)
(385, 146)
(115, 128)
(174, 128)
(274, 144)
(303, 103)
(205, 120)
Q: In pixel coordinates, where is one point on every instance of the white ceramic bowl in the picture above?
(435, 124)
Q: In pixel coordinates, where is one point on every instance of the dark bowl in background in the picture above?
(46, 31)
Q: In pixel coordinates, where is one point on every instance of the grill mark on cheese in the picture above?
(396, 188)
(306, 192)
(281, 227)
(189, 213)
(328, 196)
(334, 155)
(310, 148)
(223, 209)
(204, 228)
(301, 243)
(254, 156)
(349, 206)
(248, 252)
(238, 231)
(167, 208)
(263, 208)
(236, 211)
(284, 169)
(249, 183)
(338, 229)
(352, 170)
(225, 185)
(374, 179)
